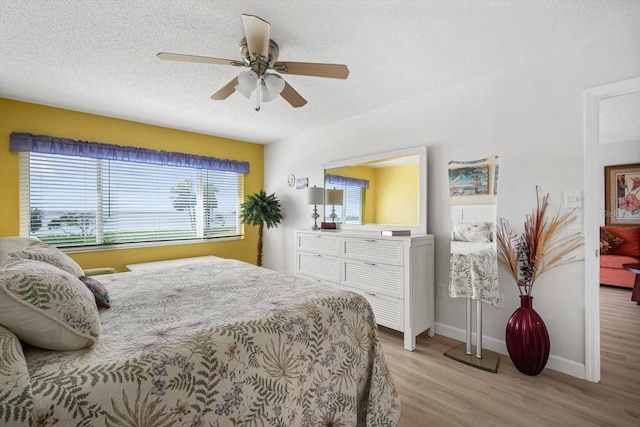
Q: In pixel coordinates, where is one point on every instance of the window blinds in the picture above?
(88, 201)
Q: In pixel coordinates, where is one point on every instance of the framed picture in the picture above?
(622, 194)
(302, 183)
(469, 181)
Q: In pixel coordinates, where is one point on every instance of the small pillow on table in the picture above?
(476, 232)
(47, 307)
(608, 241)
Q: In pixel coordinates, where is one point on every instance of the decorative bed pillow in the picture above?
(99, 291)
(477, 232)
(16, 400)
(47, 307)
(51, 255)
(608, 241)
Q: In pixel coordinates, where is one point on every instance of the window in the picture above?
(352, 206)
(353, 189)
(87, 201)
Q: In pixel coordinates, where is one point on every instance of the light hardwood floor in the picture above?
(438, 391)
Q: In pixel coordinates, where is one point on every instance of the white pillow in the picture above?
(47, 307)
(477, 232)
(17, 400)
(51, 255)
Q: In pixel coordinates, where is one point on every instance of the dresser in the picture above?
(394, 273)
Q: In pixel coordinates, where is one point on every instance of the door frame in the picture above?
(593, 216)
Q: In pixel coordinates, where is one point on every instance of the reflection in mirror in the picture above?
(334, 197)
(473, 191)
(379, 189)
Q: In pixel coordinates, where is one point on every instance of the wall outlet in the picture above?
(442, 290)
(501, 302)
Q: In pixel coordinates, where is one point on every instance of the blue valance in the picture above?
(20, 141)
(345, 180)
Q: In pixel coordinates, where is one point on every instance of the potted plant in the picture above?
(261, 209)
(542, 246)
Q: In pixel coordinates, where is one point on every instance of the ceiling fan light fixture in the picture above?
(273, 86)
(260, 54)
(247, 83)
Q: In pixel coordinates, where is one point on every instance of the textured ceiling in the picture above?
(100, 56)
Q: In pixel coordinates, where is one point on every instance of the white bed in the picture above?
(211, 342)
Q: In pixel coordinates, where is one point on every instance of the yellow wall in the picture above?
(397, 195)
(393, 194)
(24, 117)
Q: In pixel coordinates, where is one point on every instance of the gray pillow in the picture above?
(51, 255)
(47, 307)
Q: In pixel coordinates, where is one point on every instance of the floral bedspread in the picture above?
(474, 272)
(220, 343)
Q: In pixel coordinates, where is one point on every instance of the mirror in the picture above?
(473, 192)
(385, 189)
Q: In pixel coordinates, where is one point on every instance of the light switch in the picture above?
(573, 199)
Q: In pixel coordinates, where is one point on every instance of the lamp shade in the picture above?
(315, 195)
(273, 85)
(247, 83)
(334, 197)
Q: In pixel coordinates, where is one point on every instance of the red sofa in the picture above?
(618, 245)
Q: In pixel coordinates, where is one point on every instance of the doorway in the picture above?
(593, 211)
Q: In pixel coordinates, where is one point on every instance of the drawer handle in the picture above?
(372, 264)
(370, 240)
(370, 293)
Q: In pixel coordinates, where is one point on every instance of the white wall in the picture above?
(532, 117)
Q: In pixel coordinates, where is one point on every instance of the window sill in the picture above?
(113, 247)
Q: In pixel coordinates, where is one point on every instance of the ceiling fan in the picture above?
(260, 54)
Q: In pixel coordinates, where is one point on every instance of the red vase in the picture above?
(527, 338)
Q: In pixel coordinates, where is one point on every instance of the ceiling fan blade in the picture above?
(334, 71)
(257, 32)
(201, 59)
(291, 95)
(226, 90)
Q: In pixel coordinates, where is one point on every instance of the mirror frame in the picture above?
(421, 152)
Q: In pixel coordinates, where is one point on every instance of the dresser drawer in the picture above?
(374, 250)
(373, 277)
(317, 242)
(325, 283)
(318, 266)
(389, 311)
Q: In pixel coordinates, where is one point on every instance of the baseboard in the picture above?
(555, 363)
(567, 366)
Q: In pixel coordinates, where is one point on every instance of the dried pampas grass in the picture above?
(543, 245)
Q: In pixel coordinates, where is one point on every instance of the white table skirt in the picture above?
(474, 272)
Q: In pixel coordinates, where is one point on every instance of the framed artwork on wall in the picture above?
(622, 194)
(302, 183)
(469, 181)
